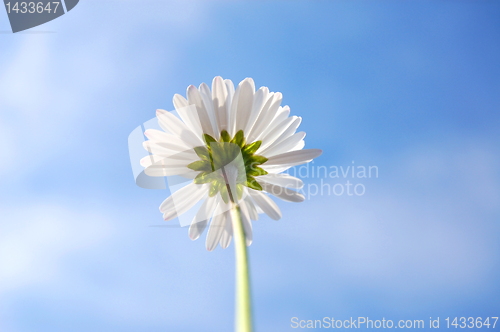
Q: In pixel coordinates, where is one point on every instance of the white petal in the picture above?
(179, 101)
(288, 132)
(230, 90)
(284, 167)
(154, 172)
(189, 175)
(278, 169)
(162, 149)
(202, 217)
(282, 192)
(216, 229)
(229, 103)
(168, 141)
(161, 171)
(244, 103)
(247, 223)
(171, 123)
(196, 229)
(219, 97)
(283, 180)
(206, 96)
(164, 161)
(259, 101)
(299, 146)
(293, 157)
(233, 111)
(252, 210)
(282, 115)
(266, 204)
(182, 200)
(227, 233)
(266, 116)
(271, 137)
(284, 146)
(194, 98)
(207, 210)
(149, 160)
(189, 116)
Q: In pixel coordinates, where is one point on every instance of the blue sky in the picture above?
(410, 87)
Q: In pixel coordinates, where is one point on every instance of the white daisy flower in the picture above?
(233, 144)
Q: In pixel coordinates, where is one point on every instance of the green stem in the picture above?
(243, 299)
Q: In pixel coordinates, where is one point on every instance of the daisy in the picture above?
(233, 144)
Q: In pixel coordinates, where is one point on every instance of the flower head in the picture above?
(233, 144)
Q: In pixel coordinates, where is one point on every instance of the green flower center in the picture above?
(228, 165)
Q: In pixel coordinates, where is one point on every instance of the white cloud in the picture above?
(422, 229)
(52, 84)
(72, 259)
(35, 241)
